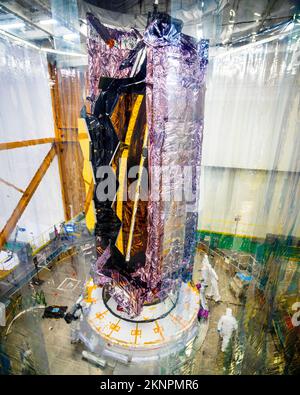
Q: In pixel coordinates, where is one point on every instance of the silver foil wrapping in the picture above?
(176, 68)
(105, 57)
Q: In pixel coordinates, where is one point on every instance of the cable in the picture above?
(23, 312)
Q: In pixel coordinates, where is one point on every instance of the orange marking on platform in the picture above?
(177, 320)
(100, 316)
(136, 332)
(159, 330)
(153, 342)
(89, 290)
(126, 344)
(114, 328)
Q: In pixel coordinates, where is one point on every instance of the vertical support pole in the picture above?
(59, 146)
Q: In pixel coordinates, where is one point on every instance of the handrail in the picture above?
(44, 238)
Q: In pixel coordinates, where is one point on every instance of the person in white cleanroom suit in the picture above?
(211, 279)
(213, 290)
(202, 296)
(205, 269)
(77, 317)
(226, 325)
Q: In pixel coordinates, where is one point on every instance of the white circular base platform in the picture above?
(109, 335)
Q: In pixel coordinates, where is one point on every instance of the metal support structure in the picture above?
(11, 11)
(46, 140)
(65, 91)
(56, 116)
(89, 197)
(266, 13)
(137, 194)
(26, 143)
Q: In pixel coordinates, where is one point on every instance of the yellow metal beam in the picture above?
(137, 195)
(46, 140)
(89, 197)
(26, 143)
(25, 199)
(87, 173)
(66, 104)
(123, 168)
(58, 135)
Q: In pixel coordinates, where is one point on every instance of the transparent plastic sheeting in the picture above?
(25, 102)
(250, 200)
(26, 114)
(189, 15)
(251, 145)
(248, 213)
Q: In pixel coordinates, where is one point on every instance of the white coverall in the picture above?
(226, 325)
(205, 269)
(75, 325)
(202, 296)
(211, 279)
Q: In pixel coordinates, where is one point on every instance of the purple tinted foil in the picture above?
(176, 66)
(97, 270)
(105, 58)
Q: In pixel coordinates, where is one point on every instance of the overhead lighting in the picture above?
(47, 22)
(199, 31)
(18, 39)
(232, 16)
(58, 52)
(8, 26)
(251, 45)
(43, 49)
(257, 14)
(83, 29)
(289, 27)
(70, 36)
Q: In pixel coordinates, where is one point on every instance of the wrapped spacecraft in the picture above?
(146, 126)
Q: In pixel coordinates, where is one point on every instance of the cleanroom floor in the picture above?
(49, 340)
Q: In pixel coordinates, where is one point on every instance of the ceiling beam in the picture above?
(266, 13)
(227, 33)
(26, 197)
(10, 10)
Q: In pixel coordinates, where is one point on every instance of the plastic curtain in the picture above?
(250, 198)
(28, 85)
(26, 114)
(251, 142)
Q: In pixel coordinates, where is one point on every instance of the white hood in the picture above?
(229, 312)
